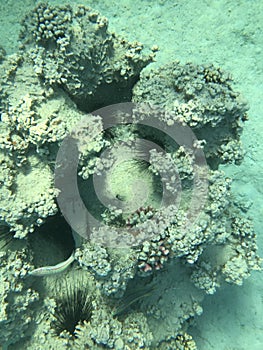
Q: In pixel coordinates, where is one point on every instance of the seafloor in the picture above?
(229, 34)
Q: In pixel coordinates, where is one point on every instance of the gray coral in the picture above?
(203, 97)
(34, 120)
(72, 47)
(18, 298)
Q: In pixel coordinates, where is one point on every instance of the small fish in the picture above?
(51, 270)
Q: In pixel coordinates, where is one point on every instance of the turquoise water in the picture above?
(229, 35)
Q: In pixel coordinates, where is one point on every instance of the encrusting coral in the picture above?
(185, 239)
(71, 46)
(203, 97)
(18, 298)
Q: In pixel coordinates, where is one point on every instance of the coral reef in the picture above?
(143, 273)
(34, 120)
(18, 298)
(203, 97)
(72, 47)
(181, 342)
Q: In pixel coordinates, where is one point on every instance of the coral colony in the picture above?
(107, 295)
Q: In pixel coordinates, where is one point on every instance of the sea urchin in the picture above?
(74, 306)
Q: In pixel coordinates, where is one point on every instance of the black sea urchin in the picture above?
(6, 236)
(73, 307)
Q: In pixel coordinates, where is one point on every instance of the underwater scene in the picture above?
(131, 175)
